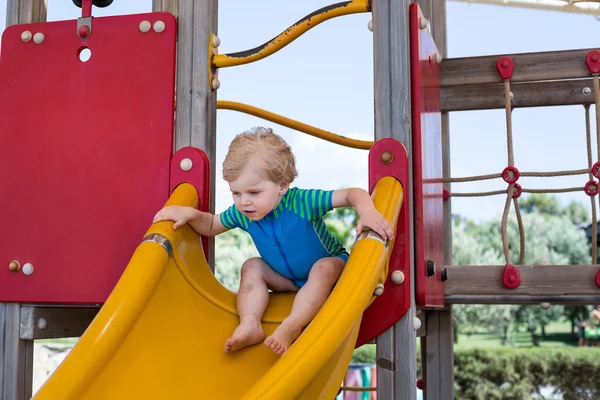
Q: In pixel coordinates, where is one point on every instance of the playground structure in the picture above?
(167, 294)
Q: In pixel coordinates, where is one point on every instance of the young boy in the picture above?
(297, 252)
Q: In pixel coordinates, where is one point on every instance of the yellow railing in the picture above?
(293, 124)
(290, 34)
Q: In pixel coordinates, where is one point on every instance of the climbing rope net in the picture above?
(573, 6)
(511, 174)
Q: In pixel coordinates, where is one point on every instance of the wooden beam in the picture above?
(171, 6)
(16, 356)
(557, 284)
(396, 348)
(195, 122)
(533, 94)
(55, 322)
(25, 11)
(550, 65)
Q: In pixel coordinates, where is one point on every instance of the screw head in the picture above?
(26, 36)
(586, 91)
(38, 38)
(159, 26)
(387, 157)
(145, 26)
(14, 266)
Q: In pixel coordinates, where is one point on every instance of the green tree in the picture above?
(551, 236)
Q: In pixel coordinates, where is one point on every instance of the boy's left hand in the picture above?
(374, 220)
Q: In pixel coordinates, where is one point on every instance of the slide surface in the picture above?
(161, 333)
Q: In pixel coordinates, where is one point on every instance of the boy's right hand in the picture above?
(181, 215)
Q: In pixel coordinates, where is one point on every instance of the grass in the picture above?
(558, 334)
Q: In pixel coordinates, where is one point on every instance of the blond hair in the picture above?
(273, 153)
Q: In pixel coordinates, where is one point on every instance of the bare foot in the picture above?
(283, 337)
(246, 334)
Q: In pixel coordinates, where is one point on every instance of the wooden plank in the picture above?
(557, 284)
(446, 354)
(55, 322)
(532, 94)
(25, 11)
(569, 64)
(396, 348)
(431, 362)
(195, 123)
(16, 356)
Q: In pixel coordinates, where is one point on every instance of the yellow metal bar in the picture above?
(291, 33)
(293, 124)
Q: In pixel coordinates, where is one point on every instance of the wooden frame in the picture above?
(551, 65)
(530, 94)
(541, 283)
(396, 348)
(196, 113)
(55, 322)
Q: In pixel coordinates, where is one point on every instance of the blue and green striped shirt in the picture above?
(293, 236)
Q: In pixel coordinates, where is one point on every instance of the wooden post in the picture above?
(25, 11)
(195, 122)
(396, 348)
(16, 355)
(438, 343)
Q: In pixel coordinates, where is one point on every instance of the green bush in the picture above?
(509, 373)
(514, 374)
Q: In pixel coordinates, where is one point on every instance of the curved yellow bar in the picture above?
(291, 34)
(293, 124)
(161, 333)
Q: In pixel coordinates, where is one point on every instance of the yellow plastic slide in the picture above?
(161, 333)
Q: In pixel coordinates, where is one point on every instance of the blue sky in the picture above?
(325, 78)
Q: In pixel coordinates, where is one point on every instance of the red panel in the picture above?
(85, 152)
(427, 163)
(388, 308)
(191, 165)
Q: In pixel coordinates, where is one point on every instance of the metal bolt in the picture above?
(397, 277)
(28, 269)
(42, 323)
(26, 36)
(216, 42)
(586, 91)
(370, 25)
(387, 157)
(159, 26)
(378, 289)
(14, 266)
(38, 38)
(145, 26)
(186, 164)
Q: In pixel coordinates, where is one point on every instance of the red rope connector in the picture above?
(591, 188)
(597, 279)
(511, 278)
(446, 195)
(421, 384)
(510, 174)
(592, 59)
(505, 66)
(517, 191)
(596, 170)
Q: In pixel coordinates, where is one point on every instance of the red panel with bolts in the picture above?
(191, 165)
(394, 302)
(427, 164)
(85, 155)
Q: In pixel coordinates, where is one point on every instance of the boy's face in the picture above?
(253, 194)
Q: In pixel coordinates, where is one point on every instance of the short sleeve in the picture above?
(233, 218)
(312, 204)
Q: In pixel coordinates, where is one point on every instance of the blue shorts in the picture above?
(344, 257)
